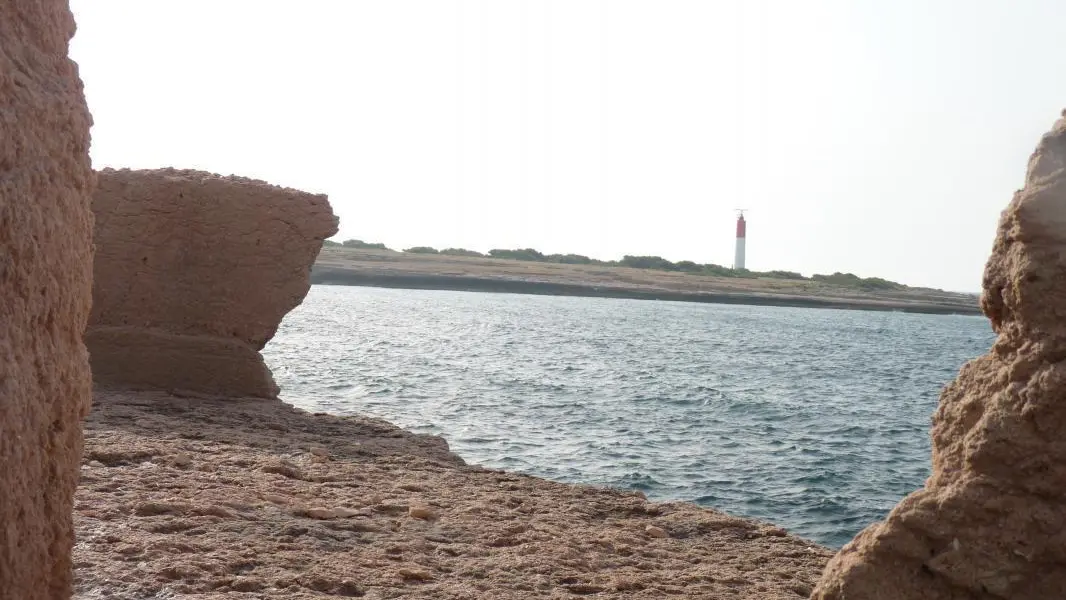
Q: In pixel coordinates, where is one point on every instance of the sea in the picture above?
(816, 420)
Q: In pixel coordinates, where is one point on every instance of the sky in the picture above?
(866, 136)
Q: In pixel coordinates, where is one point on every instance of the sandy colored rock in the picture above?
(422, 511)
(321, 513)
(45, 282)
(345, 513)
(989, 522)
(193, 274)
(499, 535)
(656, 532)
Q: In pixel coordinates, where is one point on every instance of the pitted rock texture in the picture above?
(45, 285)
(991, 520)
(195, 499)
(193, 275)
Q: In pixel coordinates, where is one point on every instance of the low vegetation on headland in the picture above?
(642, 262)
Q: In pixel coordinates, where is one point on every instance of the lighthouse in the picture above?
(738, 258)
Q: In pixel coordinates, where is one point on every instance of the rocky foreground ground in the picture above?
(199, 498)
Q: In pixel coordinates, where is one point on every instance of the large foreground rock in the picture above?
(991, 520)
(193, 498)
(193, 275)
(45, 274)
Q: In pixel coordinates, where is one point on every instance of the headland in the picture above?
(337, 265)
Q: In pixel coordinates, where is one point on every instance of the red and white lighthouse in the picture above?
(742, 230)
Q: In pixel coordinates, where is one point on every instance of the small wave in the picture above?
(772, 414)
(637, 481)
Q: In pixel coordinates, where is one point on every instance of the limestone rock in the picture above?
(344, 512)
(193, 274)
(181, 461)
(275, 499)
(319, 512)
(655, 532)
(500, 536)
(45, 281)
(990, 521)
(419, 510)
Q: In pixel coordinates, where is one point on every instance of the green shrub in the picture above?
(648, 262)
(363, 245)
(854, 281)
(569, 259)
(521, 254)
(876, 283)
(718, 271)
(461, 252)
(782, 275)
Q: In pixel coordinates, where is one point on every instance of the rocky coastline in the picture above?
(197, 482)
(374, 268)
(461, 283)
(187, 481)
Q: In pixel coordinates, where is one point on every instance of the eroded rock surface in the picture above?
(45, 275)
(193, 498)
(991, 520)
(193, 275)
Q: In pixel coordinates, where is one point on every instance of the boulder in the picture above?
(991, 520)
(45, 284)
(193, 274)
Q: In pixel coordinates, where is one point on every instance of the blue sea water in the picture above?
(815, 420)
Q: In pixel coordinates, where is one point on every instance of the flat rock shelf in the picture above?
(205, 499)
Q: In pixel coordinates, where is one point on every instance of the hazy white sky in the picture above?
(872, 136)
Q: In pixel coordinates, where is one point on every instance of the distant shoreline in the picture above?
(333, 275)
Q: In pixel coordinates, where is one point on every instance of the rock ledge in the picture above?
(193, 274)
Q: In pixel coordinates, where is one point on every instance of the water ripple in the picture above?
(816, 420)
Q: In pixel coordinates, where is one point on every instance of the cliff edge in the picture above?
(193, 274)
(45, 274)
(989, 522)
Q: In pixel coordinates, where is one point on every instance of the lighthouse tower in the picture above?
(742, 226)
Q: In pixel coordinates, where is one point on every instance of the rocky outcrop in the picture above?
(193, 274)
(192, 498)
(45, 275)
(991, 520)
